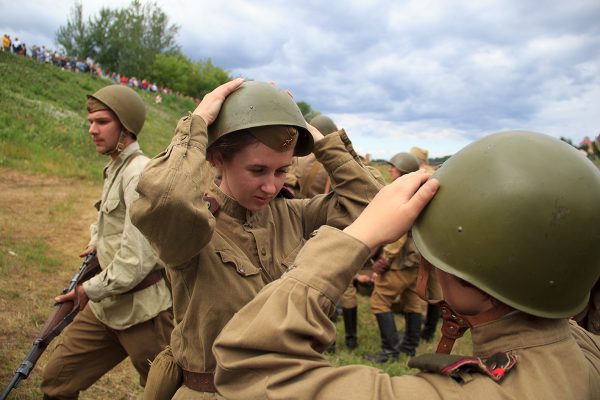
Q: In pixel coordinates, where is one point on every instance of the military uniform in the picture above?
(271, 348)
(129, 312)
(312, 176)
(218, 260)
(400, 280)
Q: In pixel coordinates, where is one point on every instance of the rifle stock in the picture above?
(61, 316)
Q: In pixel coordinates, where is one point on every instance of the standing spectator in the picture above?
(6, 42)
(16, 46)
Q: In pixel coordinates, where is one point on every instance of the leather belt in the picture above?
(150, 279)
(200, 381)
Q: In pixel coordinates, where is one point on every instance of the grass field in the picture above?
(50, 177)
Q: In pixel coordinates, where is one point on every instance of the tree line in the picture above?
(138, 41)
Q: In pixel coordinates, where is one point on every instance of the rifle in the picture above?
(61, 316)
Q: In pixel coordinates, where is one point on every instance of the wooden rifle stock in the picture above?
(61, 316)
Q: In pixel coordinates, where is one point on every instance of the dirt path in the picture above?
(44, 224)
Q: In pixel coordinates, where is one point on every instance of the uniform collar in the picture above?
(517, 330)
(115, 164)
(228, 205)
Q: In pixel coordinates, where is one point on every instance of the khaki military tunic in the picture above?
(399, 283)
(271, 348)
(217, 263)
(125, 256)
(116, 323)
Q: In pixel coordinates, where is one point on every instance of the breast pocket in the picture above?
(112, 217)
(241, 265)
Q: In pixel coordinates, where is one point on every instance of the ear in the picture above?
(217, 160)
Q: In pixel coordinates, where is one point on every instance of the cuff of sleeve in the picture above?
(329, 261)
(93, 289)
(192, 129)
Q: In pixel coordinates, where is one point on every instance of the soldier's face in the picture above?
(105, 129)
(254, 175)
(395, 173)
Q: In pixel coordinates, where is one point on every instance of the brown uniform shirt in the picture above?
(219, 263)
(271, 348)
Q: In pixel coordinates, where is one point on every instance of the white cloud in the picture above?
(437, 73)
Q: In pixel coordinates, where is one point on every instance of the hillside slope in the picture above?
(43, 121)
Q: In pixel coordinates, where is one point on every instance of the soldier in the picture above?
(129, 310)
(513, 244)
(395, 275)
(222, 244)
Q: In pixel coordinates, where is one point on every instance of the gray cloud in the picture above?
(436, 73)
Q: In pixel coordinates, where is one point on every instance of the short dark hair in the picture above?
(230, 144)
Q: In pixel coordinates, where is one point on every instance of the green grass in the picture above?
(370, 342)
(43, 121)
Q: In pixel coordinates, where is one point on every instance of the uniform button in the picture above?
(263, 251)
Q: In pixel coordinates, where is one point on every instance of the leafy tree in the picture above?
(122, 40)
(205, 77)
(172, 70)
(74, 37)
(307, 111)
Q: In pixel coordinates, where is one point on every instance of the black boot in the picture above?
(412, 334)
(431, 321)
(350, 327)
(389, 339)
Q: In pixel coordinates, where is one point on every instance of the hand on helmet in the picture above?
(393, 210)
(211, 104)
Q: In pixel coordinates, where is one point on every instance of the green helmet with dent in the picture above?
(405, 162)
(516, 216)
(256, 104)
(324, 124)
(127, 105)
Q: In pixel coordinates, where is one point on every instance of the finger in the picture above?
(422, 197)
(229, 87)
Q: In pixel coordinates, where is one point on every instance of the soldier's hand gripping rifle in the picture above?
(61, 316)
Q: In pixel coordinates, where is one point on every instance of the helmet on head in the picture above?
(260, 104)
(324, 124)
(515, 217)
(127, 105)
(405, 162)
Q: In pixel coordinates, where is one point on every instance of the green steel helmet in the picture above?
(255, 104)
(405, 162)
(324, 124)
(516, 216)
(126, 104)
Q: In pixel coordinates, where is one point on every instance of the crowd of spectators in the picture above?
(45, 55)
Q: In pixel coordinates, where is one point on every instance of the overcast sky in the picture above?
(395, 74)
